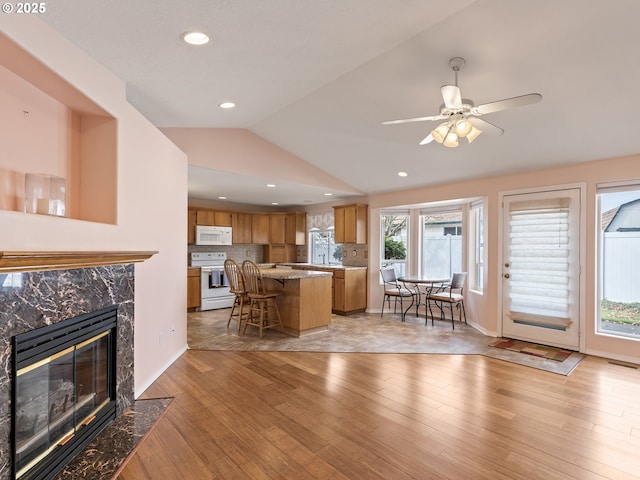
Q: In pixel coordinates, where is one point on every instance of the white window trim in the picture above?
(604, 188)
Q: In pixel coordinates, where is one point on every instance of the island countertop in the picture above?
(291, 274)
(326, 267)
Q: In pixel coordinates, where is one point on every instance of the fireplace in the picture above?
(64, 391)
(31, 300)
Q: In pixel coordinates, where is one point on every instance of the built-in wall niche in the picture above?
(49, 127)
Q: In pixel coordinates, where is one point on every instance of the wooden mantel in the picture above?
(29, 261)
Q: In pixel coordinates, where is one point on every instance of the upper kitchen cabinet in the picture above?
(217, 218)
(350, 223)
(260, 228)
(191, 225)
(241, 227)
(277, 228)
(296, 228)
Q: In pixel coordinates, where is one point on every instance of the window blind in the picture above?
(539, 262)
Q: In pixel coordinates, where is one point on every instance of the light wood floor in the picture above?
(295, 415)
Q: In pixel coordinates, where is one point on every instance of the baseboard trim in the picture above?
(613, 356)
(160, 371)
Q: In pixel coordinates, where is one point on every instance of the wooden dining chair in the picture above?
(393, 289)
(452, 294)
(233, 272)
(260, 300)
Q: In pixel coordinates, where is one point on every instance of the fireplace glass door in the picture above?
(58, 396)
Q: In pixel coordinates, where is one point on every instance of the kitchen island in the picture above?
(304, 298)
(349, 286)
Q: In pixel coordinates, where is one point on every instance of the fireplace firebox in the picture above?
(64, 391)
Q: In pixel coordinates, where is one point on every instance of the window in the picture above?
(322, 247)
(395, 234)
(453, 231)
(619, 266)
(476, 248)
(441, 243)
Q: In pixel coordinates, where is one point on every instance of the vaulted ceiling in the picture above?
(317, 78)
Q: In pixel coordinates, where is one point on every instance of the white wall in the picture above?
(151, 199)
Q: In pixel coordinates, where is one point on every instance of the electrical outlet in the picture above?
(172, 330)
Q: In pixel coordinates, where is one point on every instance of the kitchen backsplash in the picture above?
(239, 252)
(354, 255)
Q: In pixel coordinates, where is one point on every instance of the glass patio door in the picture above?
(541, 268)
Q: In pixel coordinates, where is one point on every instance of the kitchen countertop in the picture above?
(291, 274)
(321, 266)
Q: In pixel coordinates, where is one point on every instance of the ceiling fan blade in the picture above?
(416, 119)
(427, 139)
(451, 96)
(520, 101)
(486, 127)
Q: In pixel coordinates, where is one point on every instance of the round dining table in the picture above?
(430, 285)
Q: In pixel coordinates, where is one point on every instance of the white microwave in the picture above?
(208, 235)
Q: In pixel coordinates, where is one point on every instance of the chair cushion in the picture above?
(403, 292)
(445, 297)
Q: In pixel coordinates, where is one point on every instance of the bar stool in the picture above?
(236, 286)
(260, 299)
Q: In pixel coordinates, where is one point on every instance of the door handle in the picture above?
(506, 275)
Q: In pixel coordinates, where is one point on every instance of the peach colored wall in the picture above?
(151, 194)
(238, 150)
(485, 309)
(98, 183)
(34, 129)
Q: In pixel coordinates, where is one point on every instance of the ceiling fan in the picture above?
(460, 115)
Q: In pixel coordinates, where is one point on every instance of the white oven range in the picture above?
(214, 286)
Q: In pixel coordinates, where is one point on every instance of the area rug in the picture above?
(551, 353)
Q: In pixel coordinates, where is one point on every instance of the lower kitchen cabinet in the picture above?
(193, 288)
(349, 291)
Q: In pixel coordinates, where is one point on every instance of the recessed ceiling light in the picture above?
(328, 194)
(227, 105)
(402, 174)
(275, 203)
(222, 198)
(195, 38)
(270, 185)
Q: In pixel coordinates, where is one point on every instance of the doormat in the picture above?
(551, 353)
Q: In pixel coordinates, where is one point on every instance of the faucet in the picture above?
(324, 258)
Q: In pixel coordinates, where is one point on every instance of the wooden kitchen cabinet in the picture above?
(296, 228)
(205, 217)
(280, 253)
(255, 228)
(350, 223)
(218, 218)
(241, 227)
(349, 291)
(260, 228)
(223, 219)
(193, 288)
(191, 226)
(277, 228)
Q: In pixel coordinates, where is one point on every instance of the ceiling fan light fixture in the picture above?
(451, 140)
(440, 133)
(473, 134)
(463, 127)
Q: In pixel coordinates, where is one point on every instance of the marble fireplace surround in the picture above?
(43, 288)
